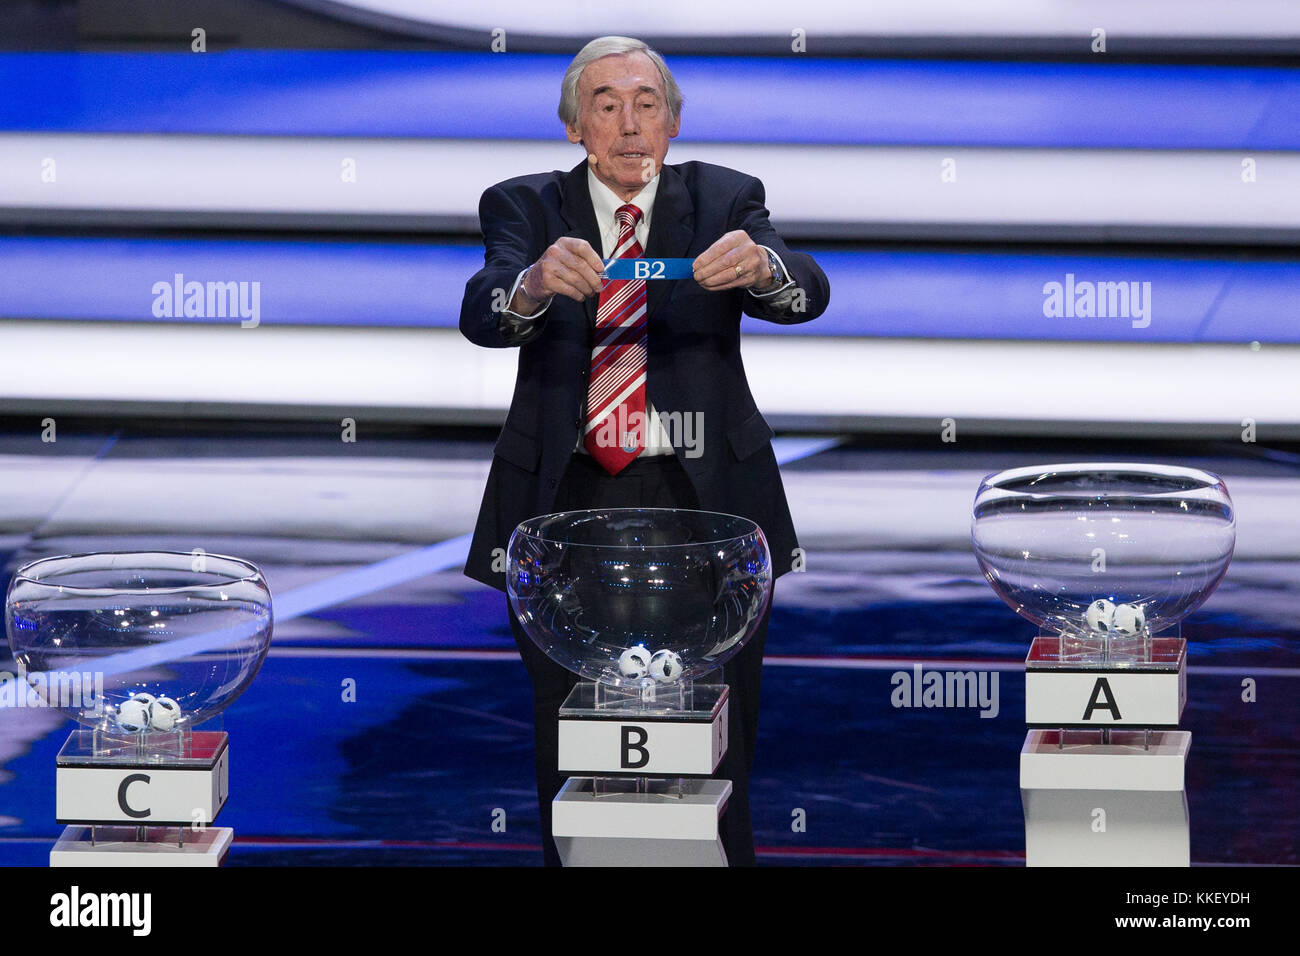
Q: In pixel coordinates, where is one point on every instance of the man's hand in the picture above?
(569, 267)
(735, 261)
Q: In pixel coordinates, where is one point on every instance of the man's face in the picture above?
(624, 121)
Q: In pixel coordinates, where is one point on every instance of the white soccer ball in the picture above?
(1129, 620)
(665, 666)
(634, 662)
(133, 715)
(1100, 616)
(163, 713)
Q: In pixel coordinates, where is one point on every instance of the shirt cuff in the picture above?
(772, 293)
(511, 297)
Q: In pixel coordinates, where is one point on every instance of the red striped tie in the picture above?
(615, 424)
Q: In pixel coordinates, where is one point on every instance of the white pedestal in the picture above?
(1064, 693)
(132, 802)
(1115, 804)
(118, 846)
(640, 829)
(645, 798)
(610, 732)
(175, 791)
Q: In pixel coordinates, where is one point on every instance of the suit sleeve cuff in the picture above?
(511, 297)
(779, 290)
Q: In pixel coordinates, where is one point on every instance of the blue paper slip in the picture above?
(647, 269)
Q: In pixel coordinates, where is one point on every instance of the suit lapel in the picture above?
(580, 216)
(672, 226)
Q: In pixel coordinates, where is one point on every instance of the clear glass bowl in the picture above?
(634, 597)
(104, 637)
(1053, 539)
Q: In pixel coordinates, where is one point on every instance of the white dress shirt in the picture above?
(605, 202)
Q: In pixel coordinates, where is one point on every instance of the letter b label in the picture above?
(635, 755)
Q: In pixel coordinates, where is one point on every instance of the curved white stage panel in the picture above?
(187, 181)
(1205, 390)
(1004, 18)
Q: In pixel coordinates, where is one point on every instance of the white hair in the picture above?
(612, 46)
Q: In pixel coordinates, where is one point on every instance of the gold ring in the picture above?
(740, 271)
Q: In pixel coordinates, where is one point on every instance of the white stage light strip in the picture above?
(1024, 381)
(828, 186)
(300, 365)
(437, 373)
(844, 17)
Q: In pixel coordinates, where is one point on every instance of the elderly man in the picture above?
(677, 349)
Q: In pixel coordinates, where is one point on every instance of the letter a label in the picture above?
(1102, 699)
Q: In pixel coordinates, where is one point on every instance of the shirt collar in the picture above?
(605, 201)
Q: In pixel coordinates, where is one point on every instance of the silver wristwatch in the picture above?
(778, 277)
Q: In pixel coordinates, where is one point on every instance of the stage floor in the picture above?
(362, 544)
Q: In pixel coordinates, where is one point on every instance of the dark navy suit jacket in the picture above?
(693, 344)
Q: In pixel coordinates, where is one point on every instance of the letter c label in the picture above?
(121, 794)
